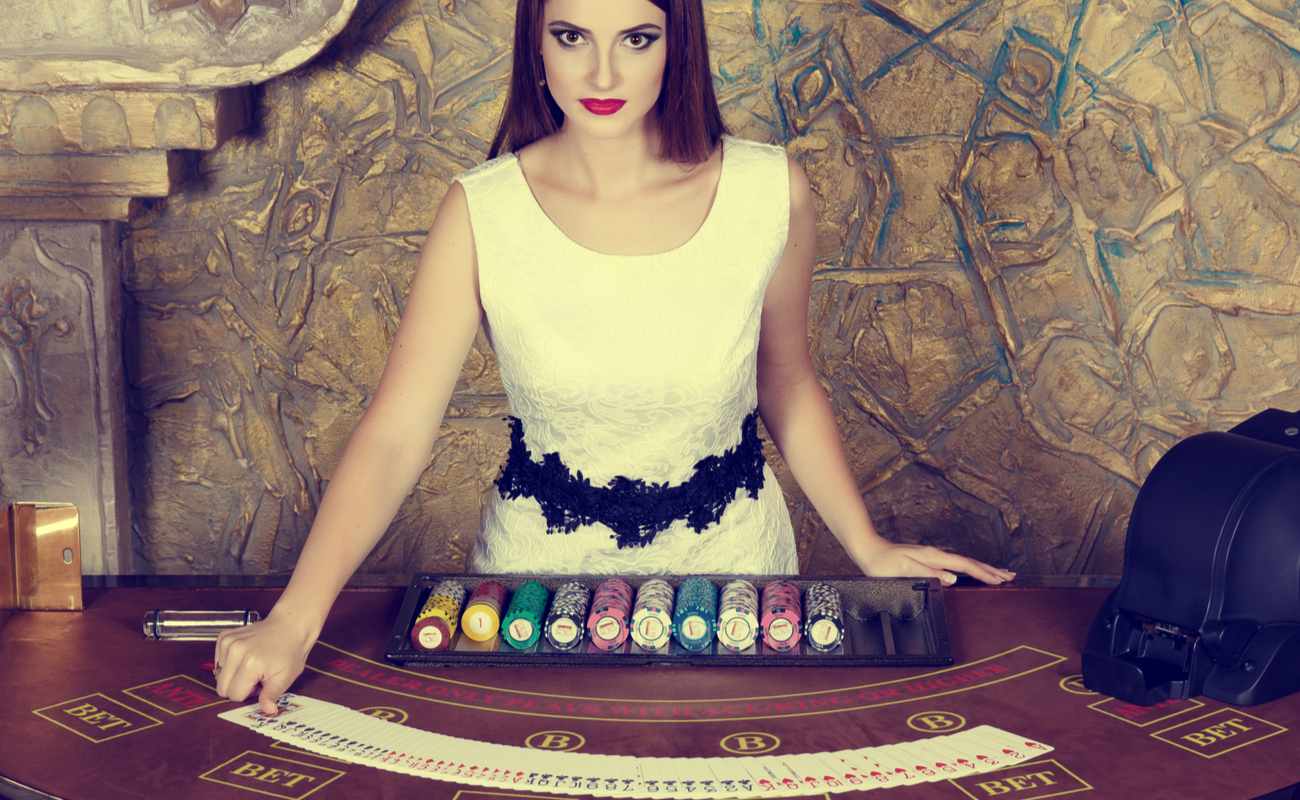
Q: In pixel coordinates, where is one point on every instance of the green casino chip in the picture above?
(521, 626)
(696, 616)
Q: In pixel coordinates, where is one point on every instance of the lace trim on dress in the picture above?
(633, 509)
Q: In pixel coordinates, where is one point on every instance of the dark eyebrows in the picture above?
(580, 29)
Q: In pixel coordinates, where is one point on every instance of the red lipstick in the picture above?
(602, 107)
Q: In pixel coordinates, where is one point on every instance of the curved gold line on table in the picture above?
(1051, 660)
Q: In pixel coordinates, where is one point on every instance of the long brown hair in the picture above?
(690, 123)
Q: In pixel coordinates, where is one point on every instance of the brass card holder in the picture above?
(40, 557)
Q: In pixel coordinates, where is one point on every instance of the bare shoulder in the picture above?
(452, 219)
(455, 200)
(449, 246)
(801, 193)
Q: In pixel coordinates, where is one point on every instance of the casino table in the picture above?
(94, 710)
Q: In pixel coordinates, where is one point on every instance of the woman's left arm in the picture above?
(798, 416)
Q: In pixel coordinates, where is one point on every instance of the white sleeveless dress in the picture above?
(636, 366)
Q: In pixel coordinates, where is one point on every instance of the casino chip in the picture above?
(564, 628)
(696, 616)
(522, 625)
(652, 623)
(781, 615)
(482, 617)
(435, 625)
(611, 614)
(738, 617)
(824, 625)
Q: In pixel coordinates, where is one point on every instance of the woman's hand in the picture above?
(272, 652)
(924, 561)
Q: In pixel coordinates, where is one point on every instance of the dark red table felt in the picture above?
(1017, 666)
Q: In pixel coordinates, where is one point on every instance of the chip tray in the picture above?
(888, 622)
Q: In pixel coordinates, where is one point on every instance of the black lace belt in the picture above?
(633, 509)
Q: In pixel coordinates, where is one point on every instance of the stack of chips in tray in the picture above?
(437, 622)
(652, 621)
(611, 613)
(781, 614)
(522, 626)
(738, 619)
(482, 617)
(824, 619)
(565, 622)
(695, 617)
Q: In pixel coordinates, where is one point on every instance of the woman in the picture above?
(637, 357)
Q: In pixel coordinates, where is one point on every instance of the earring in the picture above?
(542, 82)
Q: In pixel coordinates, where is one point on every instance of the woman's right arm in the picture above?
(383, 458)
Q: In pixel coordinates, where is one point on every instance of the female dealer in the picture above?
(643, 278)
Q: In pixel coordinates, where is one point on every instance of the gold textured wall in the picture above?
(1055, 237)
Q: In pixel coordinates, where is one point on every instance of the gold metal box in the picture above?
(40, 557)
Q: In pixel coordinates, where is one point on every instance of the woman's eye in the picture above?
(560, 37)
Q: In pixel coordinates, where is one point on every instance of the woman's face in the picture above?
(604, 50)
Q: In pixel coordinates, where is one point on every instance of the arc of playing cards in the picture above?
(343, 733)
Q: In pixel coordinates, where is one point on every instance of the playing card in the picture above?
(896, 766)
(918, 760)
(300, 722)
(506, 768)
(607, 776)
(571, 771)
(808, 770)
(696, 778)
(540, 776)
(973, 752)
(418, 752)
(776, 777)
(660, 776)
(330, 741)
(1009, 745)
(453, 759)
(652, 775)
(862, 761)
(942, 757)
(620, 776)
(837, 775)
(429, 750)
(733, 776)
(249, 716)
(384, 751)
